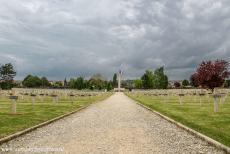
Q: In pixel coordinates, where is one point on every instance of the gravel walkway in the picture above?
(116, 125)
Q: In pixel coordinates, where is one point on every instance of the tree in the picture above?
(109, 86)
(211, 74)
(177, 84)
(57, 84)
(138, 83)
(185, 83)
(45, 82)
(97, 81)
(7, 74)
(160, 80)
(147, 79)
(227, 83)
(115, 80)
(72, 83)
(31, 81)
(80, 83)
(192, 80)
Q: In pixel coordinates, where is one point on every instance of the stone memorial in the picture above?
(55, 98)
(217, 98)
(33, 96)
(14, 104)
(180, 97)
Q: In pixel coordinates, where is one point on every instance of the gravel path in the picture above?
(116, 125)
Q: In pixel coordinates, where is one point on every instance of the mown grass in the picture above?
(29, 115)
(191, 113)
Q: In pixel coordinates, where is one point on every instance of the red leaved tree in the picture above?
(177, 84)
(211, 74)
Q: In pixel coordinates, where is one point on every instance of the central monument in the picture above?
(119, 89)
(119, 80)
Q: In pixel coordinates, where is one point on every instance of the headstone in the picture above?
(41, 97)
(72, 98)
(33, 98)
(14, 104)
(201, 96)
(216, 101)
(180, 97)
(55, 98)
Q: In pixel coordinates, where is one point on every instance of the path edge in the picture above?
(27, 130)
(189, 130)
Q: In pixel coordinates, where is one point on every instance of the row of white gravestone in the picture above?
(219, 95)
(14, 95)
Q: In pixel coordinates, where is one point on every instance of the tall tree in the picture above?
(227, 83)
(114, 80)
(7, 74)
(109, 86)
(147, 79)
(72, 83)
(138, 84)
(193, 80)
(160, 79)
(211, 74)
(185, 83)
(45, 82)
(177, 84)
(31, 81)
(80, 83)
(97, 81)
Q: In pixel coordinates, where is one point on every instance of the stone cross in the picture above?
(14, 104)
(217, 97)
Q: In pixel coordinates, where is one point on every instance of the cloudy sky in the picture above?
(66, 38)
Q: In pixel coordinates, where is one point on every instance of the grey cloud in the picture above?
(66, 38)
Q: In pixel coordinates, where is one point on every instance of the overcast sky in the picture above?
(67, 38)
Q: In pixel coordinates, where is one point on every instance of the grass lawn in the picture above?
(29, 115)
(198, 117)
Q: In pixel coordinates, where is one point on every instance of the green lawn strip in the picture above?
(198, 117)
(29, 115)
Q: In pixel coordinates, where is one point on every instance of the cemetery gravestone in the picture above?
(14, 104)
(216, 101)
(180, 98)
(33, 98)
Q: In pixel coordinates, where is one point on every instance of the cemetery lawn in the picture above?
(28, 116)
(198, 117)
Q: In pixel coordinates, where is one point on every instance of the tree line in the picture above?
(209, 74)
(152, 80)
(96, 82)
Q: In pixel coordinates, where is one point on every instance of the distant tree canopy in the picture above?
(31, 81)
(114, 83)
(177, 84)
(7, 74)
(227, 83)
(185, 83)
(109, 86)
(138, 84)
(147, 80)
(156, 80)
(193, 81)
(77, 83)
(160, 79)
(97, 81)
(211, 74)
(45, 82)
